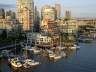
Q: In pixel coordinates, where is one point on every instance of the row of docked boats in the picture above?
(26, 63)
(35, 50)
(74, 47)
(23, 61)
(16, 62)
(56, 56)
(51, 53)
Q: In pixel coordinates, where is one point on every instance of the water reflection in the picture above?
(43, 59)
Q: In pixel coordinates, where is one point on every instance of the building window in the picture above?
(41, 39)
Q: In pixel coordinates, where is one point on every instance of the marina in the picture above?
(75, 61)
(47, 36)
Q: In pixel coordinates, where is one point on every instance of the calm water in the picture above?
(83, 60)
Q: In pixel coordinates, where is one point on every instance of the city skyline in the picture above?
(80, 8)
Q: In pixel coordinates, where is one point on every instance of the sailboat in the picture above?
(33, 49)
(29, 62)
(15, 62)
(60, 47)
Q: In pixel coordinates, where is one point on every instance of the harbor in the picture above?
(75, 61)
(47, 36)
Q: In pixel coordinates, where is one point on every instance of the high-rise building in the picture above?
(37, 20)
(48, 12)
(2, 13)
(58, 10)
(68, 14)
(25, 9)
(26, 19)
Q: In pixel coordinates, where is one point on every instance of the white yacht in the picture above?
(30, 63)
(51, 55)
(15, 63)
(74, 47)
(60, 48)
(63, 54)
(56, 57)
(33, 49)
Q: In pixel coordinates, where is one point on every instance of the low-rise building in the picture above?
(10, 26)
(43, 41)
(69, 26)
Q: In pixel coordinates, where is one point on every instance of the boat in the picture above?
(15, 62)
(12, 55)
(74, 47)
(31, 62)
(5, 53)
(28, 62)
(63, 54)
(56, 57)
(60, 48)
(51, 55)
(25, 65)
(35, 50)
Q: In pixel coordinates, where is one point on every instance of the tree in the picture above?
(4, 34)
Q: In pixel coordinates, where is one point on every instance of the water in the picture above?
(83, 60)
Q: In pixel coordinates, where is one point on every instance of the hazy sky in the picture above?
(79, 8)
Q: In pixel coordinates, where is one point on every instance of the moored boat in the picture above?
(56, 57)
(51, 55)
(35, 50)
(30, 62)
(15, 62)
(74, 47)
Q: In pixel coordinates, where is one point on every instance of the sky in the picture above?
(78, 8)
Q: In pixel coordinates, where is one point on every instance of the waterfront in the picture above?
(83, 60)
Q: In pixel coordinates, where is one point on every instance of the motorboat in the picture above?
(35, 50)
(5, 53)
(60, 48)
(12, 55)
(63, 54)
(30, 62)
(51, 55)
(56, 57)
(25, 65)
(15, 62)
(74, 47)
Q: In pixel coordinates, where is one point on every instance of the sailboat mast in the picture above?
(15, 47)
(60, 40)
(26, 46)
